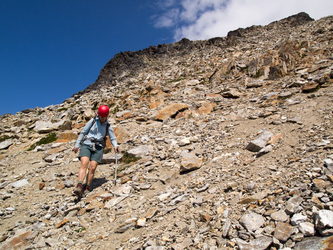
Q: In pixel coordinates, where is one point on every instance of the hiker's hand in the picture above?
(76, 150)
(117, 150)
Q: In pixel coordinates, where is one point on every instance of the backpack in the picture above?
(106, 133)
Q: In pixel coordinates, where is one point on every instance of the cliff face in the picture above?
(225, 143)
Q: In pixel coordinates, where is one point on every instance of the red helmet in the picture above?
(103, 111)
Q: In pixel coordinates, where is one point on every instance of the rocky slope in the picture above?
(225, 144)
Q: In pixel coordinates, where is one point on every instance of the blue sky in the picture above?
(51, 49)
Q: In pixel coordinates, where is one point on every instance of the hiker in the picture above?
(92, 141)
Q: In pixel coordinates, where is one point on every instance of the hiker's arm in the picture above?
(84, 131)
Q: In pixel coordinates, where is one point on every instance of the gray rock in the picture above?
(297, 219)
(141, 150)
(43, 127)
(262, 242)
(111, 158)
(329, 164)
(252, 221)
(179, 199)
(226, 228)
(260, 142)
(323, 221)
(50, 157)
(20, 183)
(280, 216)
(264, 150)
(313, 243)
(307, 228)
(293, 205)
(69, 183)
(114, 202)
(127, 225)
(6, 144)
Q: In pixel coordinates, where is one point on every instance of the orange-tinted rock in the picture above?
(125, 116)
(94, 204)
(121, 134)
(63, 222)
(18, 242)
(79, 125)
(310, 87)
(66, 137)
(190, 162)
(206, 108)
(156, 104)
(41, 185)
(275, 138)
(170, 111)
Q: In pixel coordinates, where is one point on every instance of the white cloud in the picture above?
(169, 19)
(204, 19)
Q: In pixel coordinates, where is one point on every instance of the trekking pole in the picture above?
(115, 170)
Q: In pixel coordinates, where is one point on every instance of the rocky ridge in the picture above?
(225, 144)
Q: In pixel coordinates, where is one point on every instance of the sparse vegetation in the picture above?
(115, 110)
(128, 158)
(62, 109)
(3, 138)
(258, 74)
(175, 80)
(81, 229)
(51, 137)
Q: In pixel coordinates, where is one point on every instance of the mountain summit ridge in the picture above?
(135, 60)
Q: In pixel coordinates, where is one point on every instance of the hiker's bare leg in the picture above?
(91, 173)
(83, 168)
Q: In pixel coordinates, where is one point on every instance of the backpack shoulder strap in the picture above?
(107, 128)
(92, 124)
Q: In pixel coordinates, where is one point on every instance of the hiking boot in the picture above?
(78, 190)
(87, 189)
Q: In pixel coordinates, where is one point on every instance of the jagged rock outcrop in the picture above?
(225, 144)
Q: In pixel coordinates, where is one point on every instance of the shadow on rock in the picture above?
(97, 182)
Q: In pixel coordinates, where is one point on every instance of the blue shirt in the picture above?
(96, 132)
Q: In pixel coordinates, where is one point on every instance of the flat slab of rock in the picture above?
(190, 162)
(141, 150)
(6, 144)
(252, 221)
(260, 142)
(111, 158)
(20, 183)
(170, 110)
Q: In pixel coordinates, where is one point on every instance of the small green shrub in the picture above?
(81, 229)
(3, 138)
(175, 80)
(115, 110)
(128, 158)
(258, 74)
(51, 137)
(62, 109)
